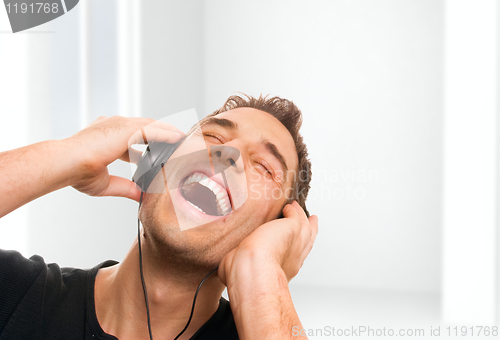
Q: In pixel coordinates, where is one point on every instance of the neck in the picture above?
(121, 307)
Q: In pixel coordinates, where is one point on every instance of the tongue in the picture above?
(202, 197)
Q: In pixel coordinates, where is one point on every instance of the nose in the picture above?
(224, 157)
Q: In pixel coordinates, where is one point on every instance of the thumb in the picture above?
(290, 212)
(122, 187)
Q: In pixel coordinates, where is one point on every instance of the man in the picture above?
(256, 252)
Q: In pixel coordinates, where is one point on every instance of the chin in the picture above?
(203, 246)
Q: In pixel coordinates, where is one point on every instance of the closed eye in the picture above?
(268, 171)
(213, 137)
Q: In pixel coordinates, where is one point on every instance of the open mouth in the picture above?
(206, 195)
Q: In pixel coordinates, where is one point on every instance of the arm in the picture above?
(80, 161)
(257, 273)
(32, 171)
(261, 303)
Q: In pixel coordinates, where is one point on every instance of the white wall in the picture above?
(172, 56)
(471, 261)
(368, 78)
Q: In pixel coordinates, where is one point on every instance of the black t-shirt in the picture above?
(43, 301)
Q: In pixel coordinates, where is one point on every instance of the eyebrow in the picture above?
(223, 122)
(275, 152)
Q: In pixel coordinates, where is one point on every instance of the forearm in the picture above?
(33, 171)
(261, 303)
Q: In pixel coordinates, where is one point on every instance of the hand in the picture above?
(107, 139)
(282, 244)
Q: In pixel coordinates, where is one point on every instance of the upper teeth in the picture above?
(219, 192)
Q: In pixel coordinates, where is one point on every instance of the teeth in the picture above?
(196, 207)
(211, 185)
(219, 192)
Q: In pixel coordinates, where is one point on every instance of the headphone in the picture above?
(154, 158)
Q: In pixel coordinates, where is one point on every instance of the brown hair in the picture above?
(291, 117)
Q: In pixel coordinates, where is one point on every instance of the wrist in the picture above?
(260, 299)
(252, 275)
(77, 163)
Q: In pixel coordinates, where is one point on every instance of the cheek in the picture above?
(264, 195)
(262, 188)
(157, 212)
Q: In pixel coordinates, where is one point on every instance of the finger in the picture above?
(290, 212)
(157, 133)
(142, 122)
(305, 228)
(305, 253)
(132, 156)
(313, 221)
(158, 124)
(146, 135)
(300, 213)
(122, 187)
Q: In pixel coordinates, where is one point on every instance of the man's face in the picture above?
(260, 159)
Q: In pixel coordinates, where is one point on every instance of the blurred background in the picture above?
(400, 101)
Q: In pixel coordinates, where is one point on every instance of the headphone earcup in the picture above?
(154, 158)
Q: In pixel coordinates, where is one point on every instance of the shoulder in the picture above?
(14, 265)
(17, 276)
(41, 299)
